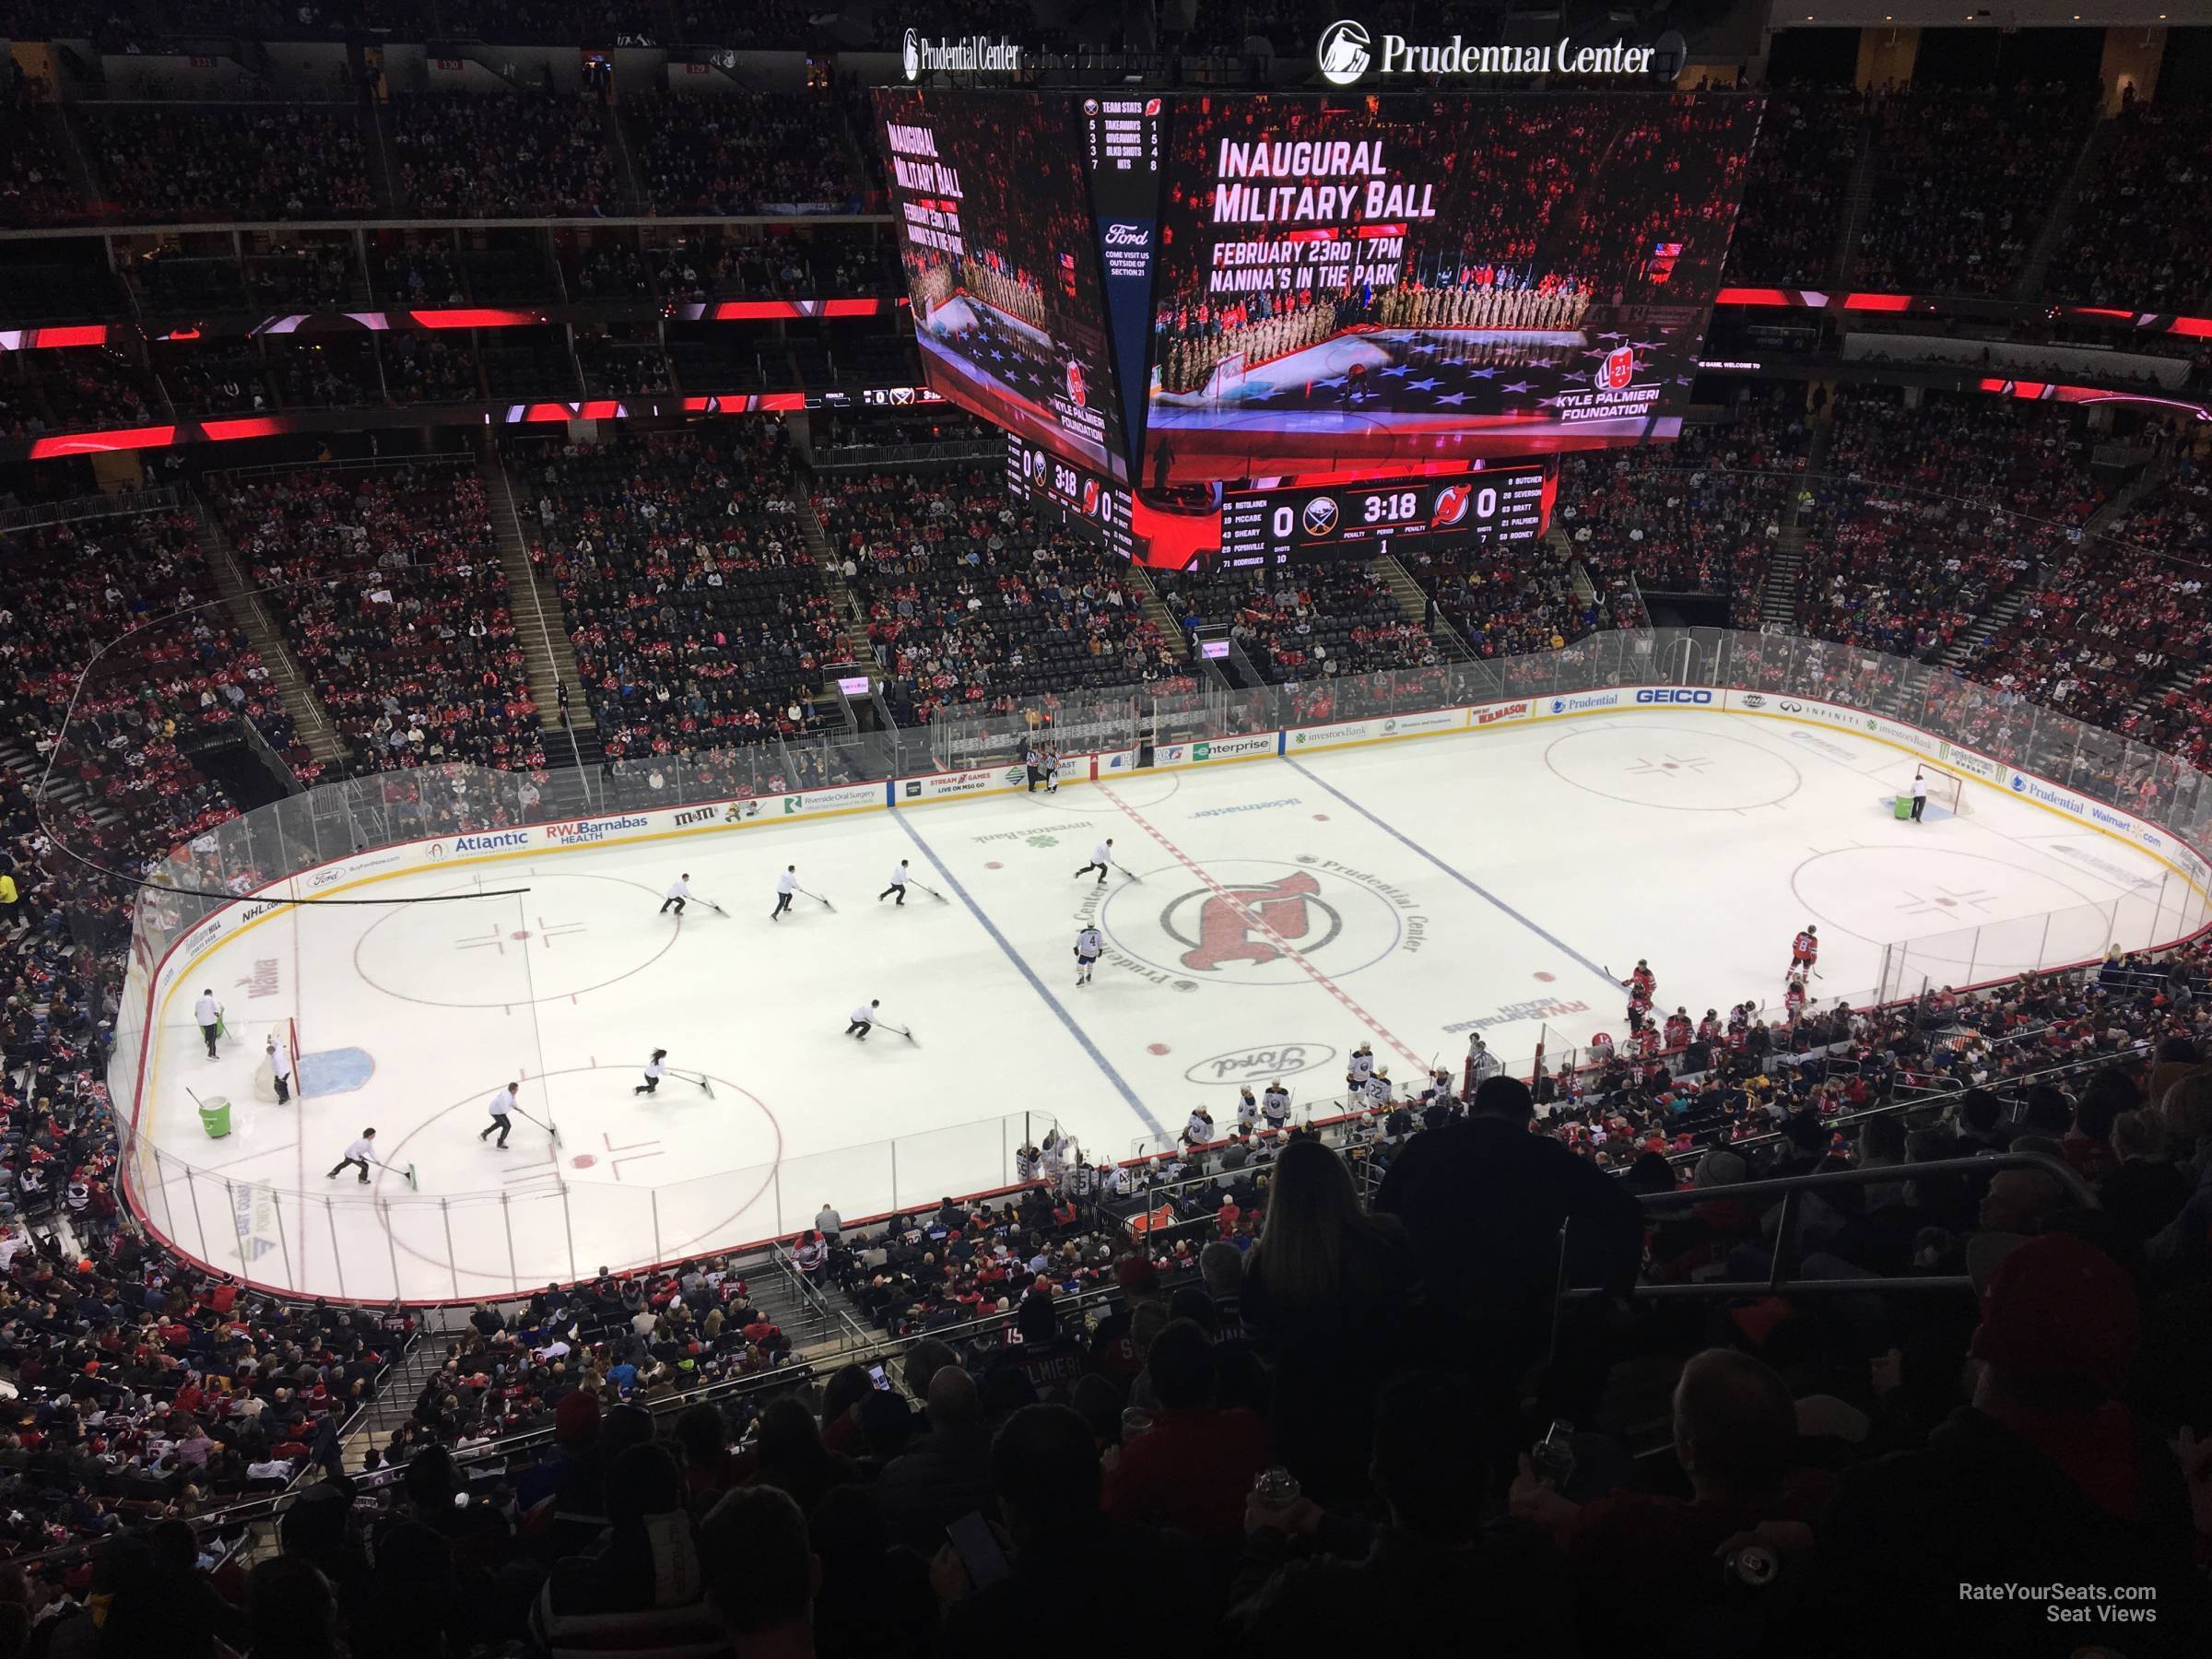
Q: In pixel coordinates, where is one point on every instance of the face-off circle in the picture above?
(570, 933)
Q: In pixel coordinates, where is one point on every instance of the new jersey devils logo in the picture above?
(1252, 923)
(1617, 370)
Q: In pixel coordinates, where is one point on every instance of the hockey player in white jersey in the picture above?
(1377, 1088)
(1088, 944)
(898, 885)
(1101, 860)
(1248, 1108)
(1275, 1106)
(1360, 1068)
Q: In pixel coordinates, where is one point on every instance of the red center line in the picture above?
(1253, 921)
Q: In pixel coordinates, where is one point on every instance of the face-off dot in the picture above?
(582, 1160)
(1543, 978)
(994, 865)
(1156, 1048)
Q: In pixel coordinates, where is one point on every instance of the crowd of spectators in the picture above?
(256, 161)
(86, 386)
(1311, 624)
(647, 1339)
(395, 601)
(823, 261)
(1795, 191)
(2112, 618)
(1964, 180)
(1929, 514)
(1286, 1407)
(1507, 601)
(76, 587)
(971, 605)
(699, 619)
(739, 152)
(35, 189)
(1700, 517)
(151, 1393)
(503, 156)
(2133, 239)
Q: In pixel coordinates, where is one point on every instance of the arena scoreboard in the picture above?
(1187, 295)
(1090, 504)
(1264, 527)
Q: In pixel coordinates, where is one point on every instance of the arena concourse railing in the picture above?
(2107, 783)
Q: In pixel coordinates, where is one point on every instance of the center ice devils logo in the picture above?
(1616, 370)
(1343, 52)
(1251, 923)
(1074, 384)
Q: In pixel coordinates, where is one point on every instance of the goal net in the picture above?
(287, 1032)
(1947, 790)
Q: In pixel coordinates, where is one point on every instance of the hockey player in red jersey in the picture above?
(1678, 1028)
(1804, 948)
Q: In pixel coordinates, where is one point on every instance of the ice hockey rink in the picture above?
(1274, 914)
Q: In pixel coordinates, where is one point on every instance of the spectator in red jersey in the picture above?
(2047, 1477)
(1644, 1561)
(1433, 1579)
(1044, 1467)
(1192, 1469)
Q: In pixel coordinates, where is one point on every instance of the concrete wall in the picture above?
(1887, 54)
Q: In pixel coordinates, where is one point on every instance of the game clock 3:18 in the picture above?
(1399, 507)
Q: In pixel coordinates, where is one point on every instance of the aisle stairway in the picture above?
(1785, 570)
(2088, 163)
(1991, 623)
(853, 633)
(1413, 600)
(1855, 206)
(549, 656)
(251, 613)
(1156, 612)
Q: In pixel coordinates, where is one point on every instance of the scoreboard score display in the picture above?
(1329, 520)
(1093, 505)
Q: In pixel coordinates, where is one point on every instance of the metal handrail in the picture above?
(1786, 1188)
(121, 504)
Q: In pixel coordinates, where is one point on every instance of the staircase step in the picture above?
(855, 632)
(548, 655)
(251, 613)
(1413, 602)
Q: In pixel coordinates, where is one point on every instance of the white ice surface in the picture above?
(1490, 876)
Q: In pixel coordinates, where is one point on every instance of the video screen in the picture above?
(995, 233)
(1356, 282)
